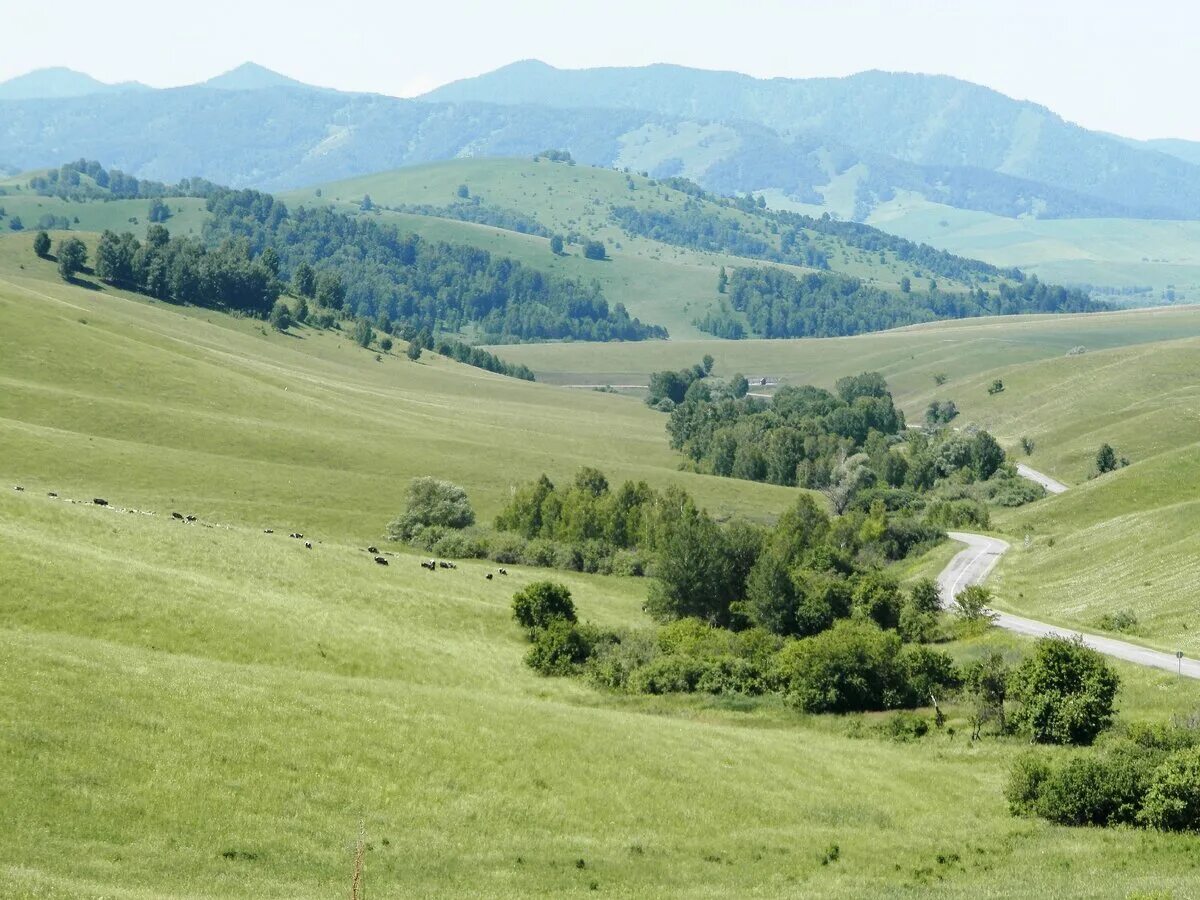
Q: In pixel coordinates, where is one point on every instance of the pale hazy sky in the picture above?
(1107, 64)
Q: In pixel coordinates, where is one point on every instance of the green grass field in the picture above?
(192, 711)
(1118, 253)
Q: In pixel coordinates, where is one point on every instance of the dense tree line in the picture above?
(701, 227)
(68, 182)
(433, 285)
(481, 214)
(778, 304)
(184, 270)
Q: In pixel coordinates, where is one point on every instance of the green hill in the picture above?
(208, 710)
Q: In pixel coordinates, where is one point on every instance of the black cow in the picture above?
(100, 502)
(178, 516)
(190, 518)
(381, 561)
(17, 487)
(504, 571)
(372, 549)
(488, 576)
(268, 531)
(296, 534)
(308, 545)
(52, 494)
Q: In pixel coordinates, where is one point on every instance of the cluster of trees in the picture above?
(475, 211)
(778, 304)
(700, 226)
(670, 387)
(184, 270)
(86, 179)
(435, 286)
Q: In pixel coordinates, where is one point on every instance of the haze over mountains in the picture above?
(862, 138)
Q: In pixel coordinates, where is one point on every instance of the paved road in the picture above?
(972, 566)
(1054, 487)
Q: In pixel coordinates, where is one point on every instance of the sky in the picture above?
(1120, 67)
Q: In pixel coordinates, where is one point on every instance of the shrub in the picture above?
(972, 602)
(852, 667)
(1029, 772)
(559, 649)
(907, 726)
(432, 502)
(1012, 492)
(542, 603)
(957, 514)
(928, 674)
(281, 316)
(539, 552)
(1123, 620)
(731, 675)
(386, 345)
(668, 675)
(460, 545)
(612, 664)
(1172, 801)
(506, 548)
(627, 562)
(363, 334)
(41, 244)
(1065, 692)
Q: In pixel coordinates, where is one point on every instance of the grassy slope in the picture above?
(908, 357)
(187, 217)
(192, 711)
(302, 430)
(1113, 252)
(657, 282)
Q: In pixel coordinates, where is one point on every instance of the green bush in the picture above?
(906, 726)
(558, 649)
(1064, 691)
(627, 563)
(508, 549)
(542, 603)
(612, 664)
(668, 675)
(432, 502)
(1025, 779)
(957, 514)
(852, 667)
(540, 552)
(1172, 801)
(928, 674)
(460, 545)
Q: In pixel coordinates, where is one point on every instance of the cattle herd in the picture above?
(431, 565)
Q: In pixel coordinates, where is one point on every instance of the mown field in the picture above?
(191, 711)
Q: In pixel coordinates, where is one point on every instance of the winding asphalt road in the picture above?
(1054, 487)
(972, 566)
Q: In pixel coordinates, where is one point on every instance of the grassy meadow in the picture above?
(194, 710)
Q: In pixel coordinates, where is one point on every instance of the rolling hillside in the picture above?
(195, 711)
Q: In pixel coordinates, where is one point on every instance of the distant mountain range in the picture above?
(863, 138)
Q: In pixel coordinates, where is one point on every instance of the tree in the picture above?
(852, 667)
(986, 455)
(41, 244)
(414, 350)
(972, 602)
(432, 502)
(367, 203)
(281, 316)
(270, 261)
(556, 245)
(330, 291)
(1027, 444)
(691, 575)
(15, 224)
(1106, 459)
(722, 281)
(301, 310)
(1172, 802)
(1064, 692)
(919, 612)
(905, 285)
(986, 685)
(386, 345)
(72, 257)
(739, 386)
(159, 211)
(463, 191)
(541, 603)
(304, 280)
(363, 333)
(594, 250)
(708, 362)
(996, 387)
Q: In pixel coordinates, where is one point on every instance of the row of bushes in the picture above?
(591, 556)
(1150, 778)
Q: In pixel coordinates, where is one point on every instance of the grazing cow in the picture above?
(296, 534)
(762, 382)
(308, 545)
(504, 571)
(17, 487)
(428, 565)
(99, 501)
(372, 549)
(268, 531)
(381, 561)
(52, 494)
(488, 576)
(190, 518)
(178, 516)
